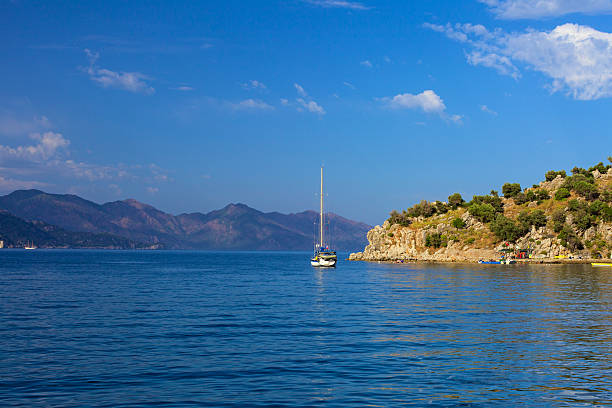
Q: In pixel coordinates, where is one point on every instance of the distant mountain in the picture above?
(234, 227)
(16, 232)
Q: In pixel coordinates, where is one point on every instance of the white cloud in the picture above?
(488, 110)
(11, 125)
(129, 81)
(284, 101)
(338, 4)
(300, 90)
(252, 104)
(535, 9)
(304, 102)
(578, 59)
(152, 190)
(254, 85)
(311, 106)
(366, 63)
(10, 184)
(49, 145)
(44, 162)
(500, 63)
(183, 88)
(427, 101)
(348, 84)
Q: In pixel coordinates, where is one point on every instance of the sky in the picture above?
(189, 106)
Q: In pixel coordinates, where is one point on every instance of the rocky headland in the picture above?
(561, 218)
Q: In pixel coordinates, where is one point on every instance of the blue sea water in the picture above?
(121, 328)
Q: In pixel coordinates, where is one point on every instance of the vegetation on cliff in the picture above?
(563, 214)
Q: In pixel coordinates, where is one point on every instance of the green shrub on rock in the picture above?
(586, 190)
(541, 194)
(458, 223)
(435, 240)
(551, 175)
(424, 208)
(582, 220)
(569, 239)
(574, 205)
(455, 200)
(536, 218)
(494, 201)
(511, 189)
(558, 218)
(562, 194)
(600, 167)
(606, 214)
(506, 229)
(482, 212)
(441, 208)
(597, 208)
(522, 198)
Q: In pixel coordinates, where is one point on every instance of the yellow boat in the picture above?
(601, 264)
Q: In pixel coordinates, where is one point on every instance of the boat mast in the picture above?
(321, 212)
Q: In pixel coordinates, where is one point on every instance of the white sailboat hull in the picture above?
(323, 262)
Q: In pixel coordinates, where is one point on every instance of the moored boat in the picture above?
(601, 264)
(323, 255)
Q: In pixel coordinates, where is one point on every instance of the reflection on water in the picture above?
(236, 329)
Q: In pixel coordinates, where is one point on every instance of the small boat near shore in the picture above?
(30, 245)
(601, 264)
(500, 262)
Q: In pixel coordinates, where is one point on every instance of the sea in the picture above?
(82, 328)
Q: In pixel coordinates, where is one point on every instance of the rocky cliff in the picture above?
(577, 225)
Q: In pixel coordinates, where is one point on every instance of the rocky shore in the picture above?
(474, 241)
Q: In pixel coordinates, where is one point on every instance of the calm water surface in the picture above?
(105, 328)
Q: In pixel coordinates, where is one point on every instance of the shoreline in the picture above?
(532, 261)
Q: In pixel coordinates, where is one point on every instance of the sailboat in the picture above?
(323, 255)
(29, 245)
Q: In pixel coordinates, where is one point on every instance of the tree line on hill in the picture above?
(590, 206)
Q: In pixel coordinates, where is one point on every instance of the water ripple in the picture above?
(120, 328)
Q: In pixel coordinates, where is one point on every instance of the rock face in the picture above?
(392, 242)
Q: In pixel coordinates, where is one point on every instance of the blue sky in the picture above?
(190, 106)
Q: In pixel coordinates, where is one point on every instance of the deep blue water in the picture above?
(115, 328)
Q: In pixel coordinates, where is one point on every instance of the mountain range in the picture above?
(16, 233)
(234, 227)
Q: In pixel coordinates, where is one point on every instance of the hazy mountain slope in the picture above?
(16, 232)
(234, 227)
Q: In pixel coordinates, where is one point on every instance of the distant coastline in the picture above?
(69, 221)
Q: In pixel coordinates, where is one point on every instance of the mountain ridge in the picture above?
(233, 227)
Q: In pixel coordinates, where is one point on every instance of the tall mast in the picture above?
(321, 212)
